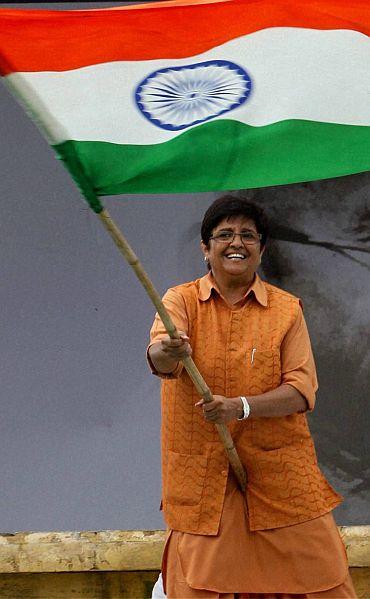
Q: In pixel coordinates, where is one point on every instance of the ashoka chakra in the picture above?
(178, 97)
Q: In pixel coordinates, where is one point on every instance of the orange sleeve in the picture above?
(175, 305)
(297, 362)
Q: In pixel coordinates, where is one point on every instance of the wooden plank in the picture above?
(81, 551)
(109, 585)
(356, 540)
(361, 582)
(79, 585)
(117, 550)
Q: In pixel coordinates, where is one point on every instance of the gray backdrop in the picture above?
(79, 409)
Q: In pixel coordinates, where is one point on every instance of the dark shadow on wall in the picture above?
(319, 250)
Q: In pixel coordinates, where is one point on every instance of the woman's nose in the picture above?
(237, 240)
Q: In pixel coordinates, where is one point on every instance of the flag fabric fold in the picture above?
(199, 96)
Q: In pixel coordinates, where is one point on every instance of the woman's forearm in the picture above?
(282, 401)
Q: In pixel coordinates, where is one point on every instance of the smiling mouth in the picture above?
(235, 256)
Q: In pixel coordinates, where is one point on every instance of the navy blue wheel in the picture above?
(175, 98)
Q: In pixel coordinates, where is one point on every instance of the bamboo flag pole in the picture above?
(188, 362)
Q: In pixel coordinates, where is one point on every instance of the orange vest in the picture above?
(285, 485)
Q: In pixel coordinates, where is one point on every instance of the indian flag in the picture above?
(188, 96)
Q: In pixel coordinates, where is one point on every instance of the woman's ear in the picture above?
(204, 249)
(205, 252)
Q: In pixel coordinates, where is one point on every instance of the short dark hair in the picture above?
(228, 206)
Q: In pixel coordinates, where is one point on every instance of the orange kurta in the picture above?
(234, 539)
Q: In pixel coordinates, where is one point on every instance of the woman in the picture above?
(250, 342)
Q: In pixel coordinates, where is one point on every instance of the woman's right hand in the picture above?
(176, 348)
(166, 354)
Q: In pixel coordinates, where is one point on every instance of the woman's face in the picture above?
(233, 260)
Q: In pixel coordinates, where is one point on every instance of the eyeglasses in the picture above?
(247, 237)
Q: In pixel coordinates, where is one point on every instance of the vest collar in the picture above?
(207, 284)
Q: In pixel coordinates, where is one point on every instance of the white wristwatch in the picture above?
(246, 408)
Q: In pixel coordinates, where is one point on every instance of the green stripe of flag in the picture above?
(222, 154)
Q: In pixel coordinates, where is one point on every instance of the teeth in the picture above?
(236, 256)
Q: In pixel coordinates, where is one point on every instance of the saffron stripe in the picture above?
(36, 40)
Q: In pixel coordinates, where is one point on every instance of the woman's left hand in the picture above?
(222, 409)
